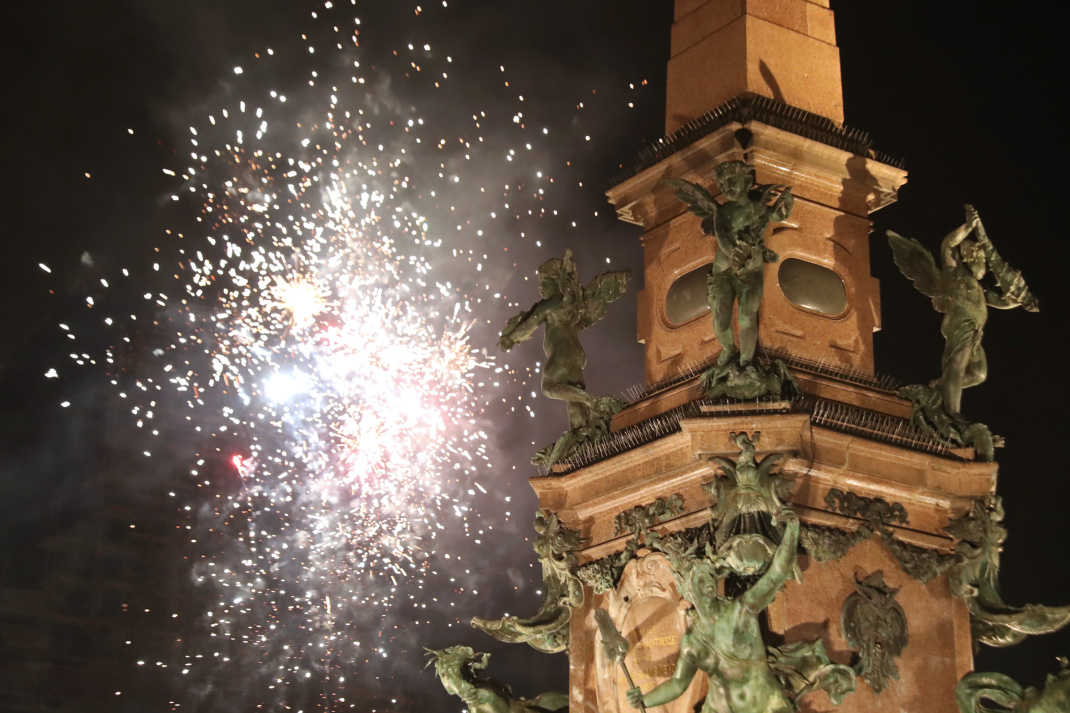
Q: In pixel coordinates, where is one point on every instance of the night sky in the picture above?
(967, 100)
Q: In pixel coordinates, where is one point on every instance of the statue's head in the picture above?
(973, 256)
(550, 277)
(456, 660)
(557, 275)
(456, 667)
(734, 178)
(702, 590)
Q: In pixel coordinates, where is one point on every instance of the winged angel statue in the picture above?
(566, 309)
(739, 226)
(957, 292)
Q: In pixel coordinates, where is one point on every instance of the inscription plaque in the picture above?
(651, 616)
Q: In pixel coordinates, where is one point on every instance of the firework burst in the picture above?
(319, 346)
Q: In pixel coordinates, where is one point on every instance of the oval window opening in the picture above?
(687, 297)
(812, 286)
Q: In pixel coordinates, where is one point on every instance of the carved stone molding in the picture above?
(603, 574)
(879, 515)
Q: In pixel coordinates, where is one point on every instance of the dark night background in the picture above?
(968, 99)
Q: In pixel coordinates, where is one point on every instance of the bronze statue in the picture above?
(724, 641)
(566, 309)
(957, 292)
(457, 669)
(749, 496)
(1011, 697)
(739, 226)
(976, 579)
(547, 631)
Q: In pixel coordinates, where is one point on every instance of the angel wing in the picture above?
(698, 200)
(729, 467)
(599, 292)
(917, 264)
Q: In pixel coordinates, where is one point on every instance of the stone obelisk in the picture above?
(758, 81)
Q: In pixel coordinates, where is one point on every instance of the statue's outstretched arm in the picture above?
(1014, 291)
(998, 301)
(520, 327)
(761, 595)
(783, 205)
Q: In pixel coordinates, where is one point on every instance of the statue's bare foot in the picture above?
(562, 448)
(749, 381)
(606, 406)
(728, 354)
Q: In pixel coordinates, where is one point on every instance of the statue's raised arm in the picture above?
(1014, 291)
(762, 592)
(521, 327)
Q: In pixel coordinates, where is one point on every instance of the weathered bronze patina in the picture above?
(724, 641)
(604, 574)
(566, 309)
(976, 578)
(749, 497)
(829, 544)
(878, 515)
(547, 631)
(739, 226)
(457, 668)
(957, 292)
(875, 626)
(1010, 697)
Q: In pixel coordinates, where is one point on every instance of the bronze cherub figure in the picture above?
(956, 291)
(566, 309)
(737, 277)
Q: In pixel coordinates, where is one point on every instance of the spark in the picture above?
(317, 341)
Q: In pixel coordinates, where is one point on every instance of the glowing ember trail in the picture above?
(349, 386)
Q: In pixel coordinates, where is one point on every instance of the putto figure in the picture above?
(566, 309)
(724, 640)
(957, 292)
(457, 668)
(739, 226)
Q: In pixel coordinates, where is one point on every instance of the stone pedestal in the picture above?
(865, 448)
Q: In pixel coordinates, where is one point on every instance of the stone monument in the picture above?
(770, 526)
